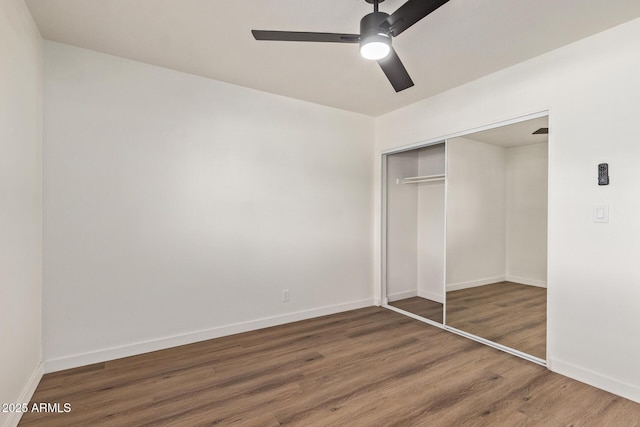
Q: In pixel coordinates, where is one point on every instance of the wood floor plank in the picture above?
(507, 313)
(422, 307)
(368, 367)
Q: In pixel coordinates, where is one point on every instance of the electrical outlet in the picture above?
(286, 295)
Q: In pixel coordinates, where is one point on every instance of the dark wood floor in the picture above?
(422, 307)
(368, 367)
(508, 313)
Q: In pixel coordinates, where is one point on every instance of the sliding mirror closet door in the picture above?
(415, 237)
(497, 235)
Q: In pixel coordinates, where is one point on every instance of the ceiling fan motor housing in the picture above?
(370, 29)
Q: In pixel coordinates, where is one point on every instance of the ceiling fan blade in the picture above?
(408, 14)
(302, 36)
(395, 71)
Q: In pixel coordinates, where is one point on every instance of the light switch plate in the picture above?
(601, 213)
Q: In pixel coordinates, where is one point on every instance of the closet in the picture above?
(464, 237)
(415, 232)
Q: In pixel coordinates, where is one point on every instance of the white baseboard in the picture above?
(401, 295)
(474, 283)
(26, 395)
(431, 296)
(525, 281)
(103, 355)
(628, 391)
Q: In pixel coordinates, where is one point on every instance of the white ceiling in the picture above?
(458, 43)
(514, 135)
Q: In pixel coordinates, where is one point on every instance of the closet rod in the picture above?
(419, 179)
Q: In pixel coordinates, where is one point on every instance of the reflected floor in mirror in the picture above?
(507, 313)
(422, 307)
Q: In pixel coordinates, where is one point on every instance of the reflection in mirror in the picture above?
(415, 231)
(497, 235)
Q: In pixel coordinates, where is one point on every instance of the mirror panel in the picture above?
(496, 250)
(415, 233)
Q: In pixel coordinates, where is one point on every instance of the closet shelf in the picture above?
(419, 179)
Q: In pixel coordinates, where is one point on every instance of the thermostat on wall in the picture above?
(603, 174)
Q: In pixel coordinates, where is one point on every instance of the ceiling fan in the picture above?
(376, 31)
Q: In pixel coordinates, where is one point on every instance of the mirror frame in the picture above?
(383, 232)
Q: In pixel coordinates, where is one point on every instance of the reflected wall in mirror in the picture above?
(415, 231)
(496, 268)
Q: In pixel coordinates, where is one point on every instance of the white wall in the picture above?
(526, 220)
(593, 93)
(476, 213)
(177, 208)
(21, 205)
(431, 228)
(415, 226)
(497, 214)
(402, 226)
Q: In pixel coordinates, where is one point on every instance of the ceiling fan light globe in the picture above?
(375, 50)
(375, 46)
